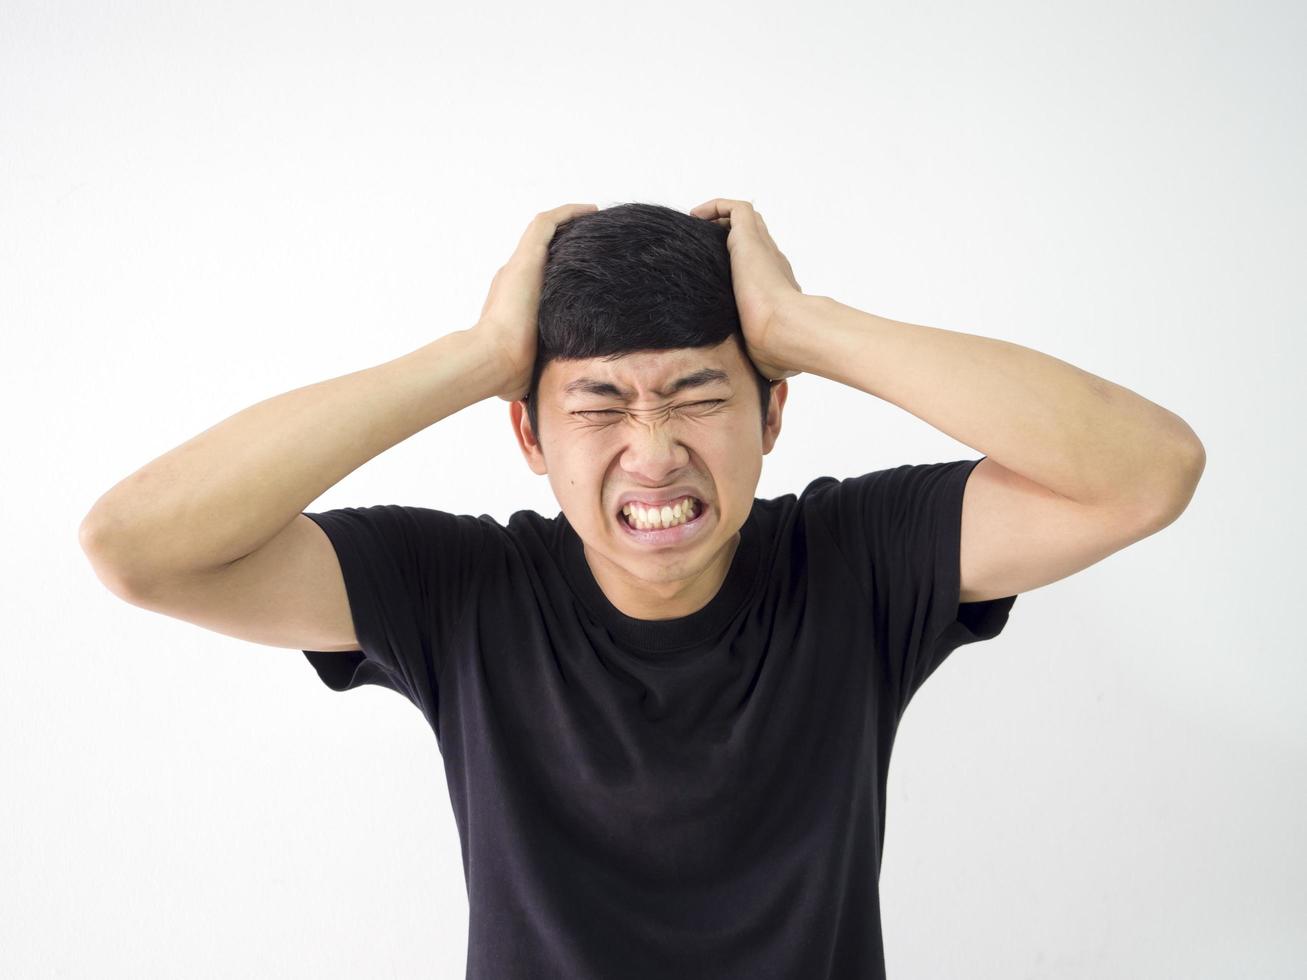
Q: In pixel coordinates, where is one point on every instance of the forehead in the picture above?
(661, 373)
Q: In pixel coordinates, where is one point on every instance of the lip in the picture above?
(670, 536)
(664, 496)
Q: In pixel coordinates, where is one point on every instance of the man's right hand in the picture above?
(509, 319)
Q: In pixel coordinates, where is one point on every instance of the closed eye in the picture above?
(613, 411)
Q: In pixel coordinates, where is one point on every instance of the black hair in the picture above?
(636, 277)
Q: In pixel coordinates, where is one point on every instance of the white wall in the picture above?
(204, 205)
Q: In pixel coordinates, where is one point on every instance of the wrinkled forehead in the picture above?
(643, 374)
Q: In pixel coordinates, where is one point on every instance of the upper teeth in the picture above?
(676, 512)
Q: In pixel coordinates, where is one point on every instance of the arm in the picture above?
(1076, 467)
(234, 488)
(1077, 435)
(213, 532)
(229, 490)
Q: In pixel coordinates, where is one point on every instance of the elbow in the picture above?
(92, 540)
(1193, 460)
(1181, 485)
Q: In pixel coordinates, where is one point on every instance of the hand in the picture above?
(509, 318)
(763, 281)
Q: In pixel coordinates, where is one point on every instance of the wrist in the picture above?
(794, 327)
(480, 363)
(506, 367)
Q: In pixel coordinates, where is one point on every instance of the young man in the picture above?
(666, 713)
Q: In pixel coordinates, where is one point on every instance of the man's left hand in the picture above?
(764, 284)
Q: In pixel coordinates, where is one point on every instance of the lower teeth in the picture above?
(657, 527)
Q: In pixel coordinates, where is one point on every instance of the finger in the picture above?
(570, 208)
(722, 208)
(556, 216)
(719, 207)
(542, 227)
(725, 222)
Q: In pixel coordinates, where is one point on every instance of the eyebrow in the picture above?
(589, 386)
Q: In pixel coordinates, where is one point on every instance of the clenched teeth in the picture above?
(656, 518)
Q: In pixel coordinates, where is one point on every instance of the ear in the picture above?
(526, 439)
(772, 429)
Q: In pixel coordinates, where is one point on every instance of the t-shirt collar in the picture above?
(666, 634)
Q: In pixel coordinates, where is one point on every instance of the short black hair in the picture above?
(636, 277)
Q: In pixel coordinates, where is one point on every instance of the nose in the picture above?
(653, 453)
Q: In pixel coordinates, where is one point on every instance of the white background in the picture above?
(205, 205)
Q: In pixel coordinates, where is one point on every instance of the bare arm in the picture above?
(229, 490)
(1078, 436)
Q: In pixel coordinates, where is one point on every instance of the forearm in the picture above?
(1071, 431)
(230, 489)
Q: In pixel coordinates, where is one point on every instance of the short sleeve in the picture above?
(901, 531)
(408, 572)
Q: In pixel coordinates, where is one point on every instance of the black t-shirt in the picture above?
(700, 797)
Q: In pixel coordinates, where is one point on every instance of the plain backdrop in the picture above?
(205, 205)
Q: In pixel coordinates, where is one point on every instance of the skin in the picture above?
(1095, 469)
(648, 443)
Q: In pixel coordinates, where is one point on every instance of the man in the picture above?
(665, 714)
